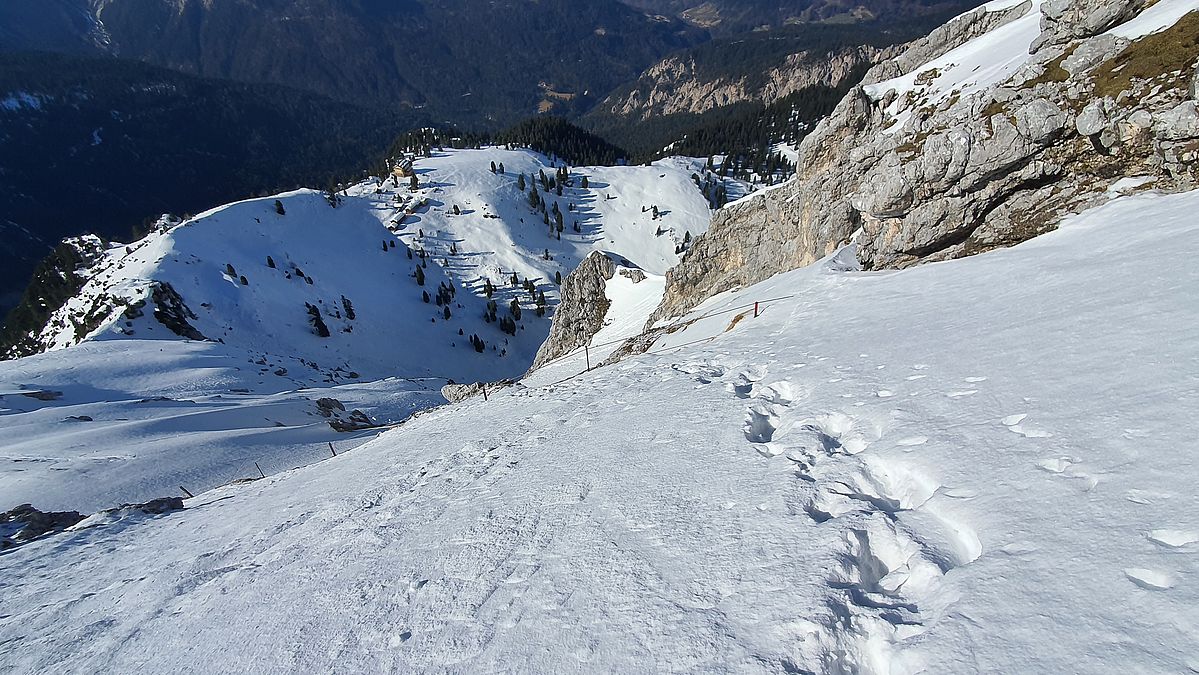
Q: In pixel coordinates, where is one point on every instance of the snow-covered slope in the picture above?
(323, 256)
(248, 393)
(978, 465)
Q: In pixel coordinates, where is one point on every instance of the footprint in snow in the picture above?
(961, 394)
(915, 377)
(973, 380)
(781, 393)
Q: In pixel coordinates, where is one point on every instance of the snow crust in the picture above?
(979, 465)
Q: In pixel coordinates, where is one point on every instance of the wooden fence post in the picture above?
(587, 355)
(755, 309)
(330, 450)
(259, 469)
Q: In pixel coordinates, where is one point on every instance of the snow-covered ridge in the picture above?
(249, 274)
(193, 354)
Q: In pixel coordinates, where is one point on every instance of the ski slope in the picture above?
(985, 464)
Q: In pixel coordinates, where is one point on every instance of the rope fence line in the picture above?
(758, 308)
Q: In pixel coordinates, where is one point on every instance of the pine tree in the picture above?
(349, 307)
(457, 211)
(270, 262)
(279, 208)
(243, 280)
(501, 168)
(584, 183)
(424, 295)
(493, 167)
(420, 277)
(230, 271)
(446, 313)
(514, 308)
(413, 182)
(558, 278)
(520, 182)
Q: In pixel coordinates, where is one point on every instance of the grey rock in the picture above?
(326, 406)
(357, 421)
(24, 523)
(172, 312)
(1095, 117)
(1180, 123)
(1063, 21)
(964, 175)
(455, 393)
(580, 314)
(1090, 53)
(633, 274)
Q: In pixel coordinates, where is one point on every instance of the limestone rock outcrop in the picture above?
(580, 314)
(922, 163)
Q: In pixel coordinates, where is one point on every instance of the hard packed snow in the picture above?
(978, 465)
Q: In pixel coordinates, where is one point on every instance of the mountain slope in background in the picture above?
(98, 145)
(465, 62)
(278, 310)
(734, 81)
(724, 17)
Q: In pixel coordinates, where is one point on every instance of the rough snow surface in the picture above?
(741, 498)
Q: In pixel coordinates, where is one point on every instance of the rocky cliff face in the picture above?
(677, 85)
(981, 135)
(581, 312)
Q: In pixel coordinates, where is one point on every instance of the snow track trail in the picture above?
(809, 492)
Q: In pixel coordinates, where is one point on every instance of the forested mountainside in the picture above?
(725, 17)
(100, 145)
(470, 63)
(705, 97)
